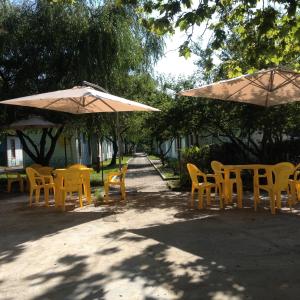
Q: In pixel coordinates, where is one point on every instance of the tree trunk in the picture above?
(38, 155)
(113, 161)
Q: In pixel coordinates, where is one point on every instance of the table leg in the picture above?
(57, 194)
(255, 189)
(227, 186)
(88, 188)
(239, 187)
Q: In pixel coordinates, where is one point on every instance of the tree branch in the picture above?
(25, 146)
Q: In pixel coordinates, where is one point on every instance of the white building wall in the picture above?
(14, 152)
(107, 150)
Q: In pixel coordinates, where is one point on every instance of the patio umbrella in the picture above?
(32, 123)
(266, 88)
(35, 122)
(81, 100)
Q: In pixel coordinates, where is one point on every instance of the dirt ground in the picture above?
(153, 247)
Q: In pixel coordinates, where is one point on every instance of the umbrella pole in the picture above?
(66, 157)
(102, 159)
(119, 141)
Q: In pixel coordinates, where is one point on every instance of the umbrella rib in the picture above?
(57, 100)
(260, 84)
(103, 101)
(288, 81)
(250, 83)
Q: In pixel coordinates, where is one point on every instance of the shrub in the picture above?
(203, 155)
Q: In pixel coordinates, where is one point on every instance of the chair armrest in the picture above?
(211, 175)
(112, 174)
(203, 175)
(48, 177)
(39, 178)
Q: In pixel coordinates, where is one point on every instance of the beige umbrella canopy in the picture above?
(266, 88)
(32, 123)
(80, 100)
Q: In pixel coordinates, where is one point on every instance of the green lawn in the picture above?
(96, 178)
(166, 170)
(153, 157)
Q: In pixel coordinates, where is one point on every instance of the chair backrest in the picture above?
(45, 170)
(77, 166)
(193, 171)
(72, 179)
(123, 172)
(36, 166)
(297, 172)
(217, 167)
(32, 175)
(282, 172)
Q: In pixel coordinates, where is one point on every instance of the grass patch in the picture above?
(96, 178)
(153, 157)
(167, 171)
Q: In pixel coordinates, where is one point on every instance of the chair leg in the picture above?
(291, 200)
(208, 196)
(192, 197)
(229, 194)
(63, 200)
(123, 192)
(37, 195)
(221, 202)
(272, 203)
(200, 198)
(297, 187)
(239, 187)
(278, 200)
(80, 197)
(220, 192)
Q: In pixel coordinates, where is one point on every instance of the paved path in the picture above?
(142, 176)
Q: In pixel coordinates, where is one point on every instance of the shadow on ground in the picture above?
(168, 252)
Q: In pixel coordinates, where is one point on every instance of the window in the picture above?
(13, 148)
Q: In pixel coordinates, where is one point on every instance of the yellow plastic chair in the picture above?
(277, 181)
(35, 166)
(219, 173)
(13, 177)
(45, 170)
(202, 187)
(37, 183)
(77, 166)
(294, 185)
(85, 180)
(116, 178)
(71, 183)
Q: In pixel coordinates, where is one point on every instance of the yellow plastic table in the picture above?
(238, 168)
(58, 176)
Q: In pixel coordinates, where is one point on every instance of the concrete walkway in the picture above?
(151, 248)
(142, 176)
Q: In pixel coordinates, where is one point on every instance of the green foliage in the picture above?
(102, 44)
(50, 45)
(266, 31)
(203, 155)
